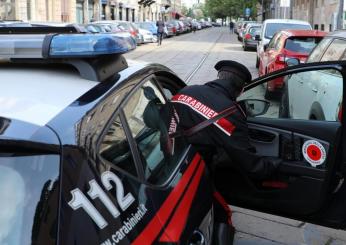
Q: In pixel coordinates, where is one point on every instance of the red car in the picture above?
(284, 45)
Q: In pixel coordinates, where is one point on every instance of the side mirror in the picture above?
(292, 62)
(265, 47)
(258, 38)
(254, 107)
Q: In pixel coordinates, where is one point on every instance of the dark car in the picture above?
(171, 29)
(176, 27)
(84, 157)
(249, 38)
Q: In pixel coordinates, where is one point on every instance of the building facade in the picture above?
(321, 14)
(84, 11)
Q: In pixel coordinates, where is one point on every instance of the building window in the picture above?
(112, 13)
(127, 14)
(330, 27)
(103, 16)
(121, 13)
(28, 9)
(322, 27)
(133, 15)
(316, 27)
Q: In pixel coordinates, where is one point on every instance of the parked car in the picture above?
(176, 26)
(122, 28)
(99, 28)
(149, 26)
(171, 29)
(112, 26)
(188, 25)
(17, 23)
(216, 24)
(249, 39)
(242, 29)
(283, 46)
(323, 99)
(182, 27)
(271, 26)
(148, 37)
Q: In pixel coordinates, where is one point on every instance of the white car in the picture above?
(271, 26)
(148, 37)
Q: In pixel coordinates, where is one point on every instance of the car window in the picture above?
(335, 51)
(160, 155)
(272, 28)
(301, 44)
(272, 42)
(310, 95)
(255, 31)
(116, 149)
(319, 50)
(279, 42)
(29, 189)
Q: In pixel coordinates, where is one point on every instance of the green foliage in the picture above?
(229, 8)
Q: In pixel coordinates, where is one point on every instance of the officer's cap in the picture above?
(234, 67)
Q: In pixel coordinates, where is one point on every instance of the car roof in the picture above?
(305, 33)
(338, 33)
(36, 94)
(286, 21)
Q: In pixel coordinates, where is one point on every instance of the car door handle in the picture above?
(197, 238)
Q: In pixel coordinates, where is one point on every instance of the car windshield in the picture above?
(125, 25)
(29, 188)
(272, 28)
(302, 44)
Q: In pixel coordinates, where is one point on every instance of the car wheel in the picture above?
(283, 108)
(257, 62)
(268, 94)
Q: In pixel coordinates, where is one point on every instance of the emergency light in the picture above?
(44, 46)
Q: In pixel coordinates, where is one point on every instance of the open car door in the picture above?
(302, 126)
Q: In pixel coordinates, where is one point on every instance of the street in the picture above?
(193, 56)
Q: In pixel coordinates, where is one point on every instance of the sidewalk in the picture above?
(265, 229)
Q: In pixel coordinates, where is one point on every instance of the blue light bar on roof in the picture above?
(89, 45)
(64, 45)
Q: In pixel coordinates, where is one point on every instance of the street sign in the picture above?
(247, 12)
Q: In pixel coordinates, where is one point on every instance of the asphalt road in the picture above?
(193, 56)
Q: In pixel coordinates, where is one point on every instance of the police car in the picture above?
(84, 157)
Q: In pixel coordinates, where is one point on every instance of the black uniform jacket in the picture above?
(196, 103)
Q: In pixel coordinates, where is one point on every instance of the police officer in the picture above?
(228, 137)
(225, 140)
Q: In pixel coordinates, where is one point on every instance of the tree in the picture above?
(229, 8)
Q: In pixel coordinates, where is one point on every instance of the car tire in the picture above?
(283, 108)
(257, 62)
(268, 94)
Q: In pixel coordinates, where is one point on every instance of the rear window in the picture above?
(29, 189)
(255, 30)
(272, 28)
(301, 44)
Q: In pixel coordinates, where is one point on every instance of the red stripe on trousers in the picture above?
(152, 230)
